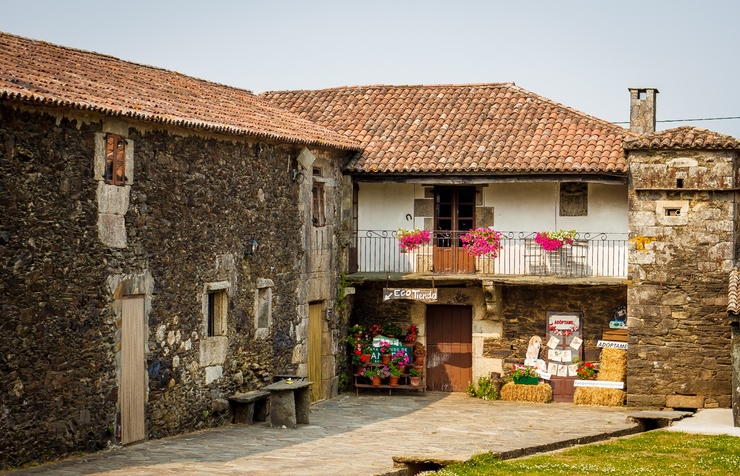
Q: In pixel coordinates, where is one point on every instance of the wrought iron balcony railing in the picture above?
(590, 255)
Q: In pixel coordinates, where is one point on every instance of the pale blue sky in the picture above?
(584, 54)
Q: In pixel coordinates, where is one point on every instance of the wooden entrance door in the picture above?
(567, 328)
(315, 327)
(449, 348)
(454, 215)
(133, 368)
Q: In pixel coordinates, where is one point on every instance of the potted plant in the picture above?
(367, 351)
(395, 374)
(359, 361)
(410, 240)
(391, 329)
(400, 359)
(554, 240)
(524, 375)
(482, 241)
(374, 330)
(414, 377)
(411, 333)
(382, 372)
(385, 353)
(419, 352)
(357, 331)
(586, 370)
(372, 374)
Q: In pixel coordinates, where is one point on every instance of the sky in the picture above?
(583, 54)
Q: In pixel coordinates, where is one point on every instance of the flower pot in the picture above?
(358, 368)
(418, 359)
(393, 380)
(414, 381)
(418, 367)
(385, 358)
(368, 357)
(391, 336)
(356, 336)
(376, 380)
(526, 380)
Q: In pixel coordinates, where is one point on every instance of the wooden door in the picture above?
(315, 327)
(567, 328)
(454, 215)
(449, 348)
(133, 368)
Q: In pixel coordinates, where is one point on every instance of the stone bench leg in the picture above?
(244, 413)
(260, 410)
(302, 404)
(282, 409)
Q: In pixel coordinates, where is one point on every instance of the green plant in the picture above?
(357, 329)
(383, 372)
(586, 370)
(419, 349)
(367, 349)
(359, 359)
(414, 373)
(395, 371)
(369, 372)
(343, 382)
(485, 389)
(391, 328)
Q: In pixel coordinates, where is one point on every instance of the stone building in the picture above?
(132, 301)
(683, 236)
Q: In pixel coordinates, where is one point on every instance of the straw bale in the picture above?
(613, 365)
(603, 397)
(512, 392)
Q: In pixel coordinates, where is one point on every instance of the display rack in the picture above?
(401, 386)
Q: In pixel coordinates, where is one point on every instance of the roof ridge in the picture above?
(409, 86)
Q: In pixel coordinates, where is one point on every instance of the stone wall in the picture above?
(525, 315)
(682, 246)
(194, 202)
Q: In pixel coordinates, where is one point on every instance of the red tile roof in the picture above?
(685, 137)
(477, 128)
(41, 72)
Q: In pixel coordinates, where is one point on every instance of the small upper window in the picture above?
(115, 160)
(317, 172)
(319, 218)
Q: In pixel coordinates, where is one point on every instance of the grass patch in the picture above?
(655, 453)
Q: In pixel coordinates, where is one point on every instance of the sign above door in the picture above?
(428, 295)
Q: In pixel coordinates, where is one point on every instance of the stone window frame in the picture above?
(318, 201)
(215, 319)
(100, 157)
(115, 160)
(682, 218)
(263, 294)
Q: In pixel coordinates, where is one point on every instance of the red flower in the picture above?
(363, 358)
(358, 352)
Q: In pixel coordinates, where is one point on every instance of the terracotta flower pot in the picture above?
(368, 357)
(358, 368)
(385, 358)
(376, 380)
(418, 367)
(356, 336)
(414, 381)
(418, 359)
(393, 380)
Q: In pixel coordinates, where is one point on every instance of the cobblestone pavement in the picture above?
(353, 435)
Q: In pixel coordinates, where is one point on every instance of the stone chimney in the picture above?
(642, 110)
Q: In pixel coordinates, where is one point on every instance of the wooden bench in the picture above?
(249, 407)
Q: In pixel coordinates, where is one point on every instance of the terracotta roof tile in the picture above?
(685, 137)
(44, 73)
(483, 128)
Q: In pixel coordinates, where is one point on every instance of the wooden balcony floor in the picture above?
(453, 278)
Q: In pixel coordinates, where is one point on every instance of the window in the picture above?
(217, 304)
(573, 199)
(115, 160)
(319, 219)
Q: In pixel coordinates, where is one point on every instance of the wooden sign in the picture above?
(613, 345)
(410, 294)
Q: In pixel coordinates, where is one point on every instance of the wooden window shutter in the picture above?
(115, 160)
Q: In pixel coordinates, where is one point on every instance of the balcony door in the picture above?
(454, 215)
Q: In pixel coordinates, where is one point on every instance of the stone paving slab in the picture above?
(355, 435)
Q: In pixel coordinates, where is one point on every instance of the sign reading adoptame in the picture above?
(409, 294)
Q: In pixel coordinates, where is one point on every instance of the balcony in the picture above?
(591, 255)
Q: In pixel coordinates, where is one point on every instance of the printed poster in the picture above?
(562, 371)
(552, 369)
(576, 343)
(573, 370)
(554, 355)
(553, 342)
(566, 356)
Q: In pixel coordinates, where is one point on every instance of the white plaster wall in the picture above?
(384, 206)
(532, 207)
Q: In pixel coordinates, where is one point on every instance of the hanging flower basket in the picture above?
(554, 240)
(410, 240)
(482, 241)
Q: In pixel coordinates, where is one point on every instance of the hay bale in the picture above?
(603, 397)
(512, 392)
(613, 365)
